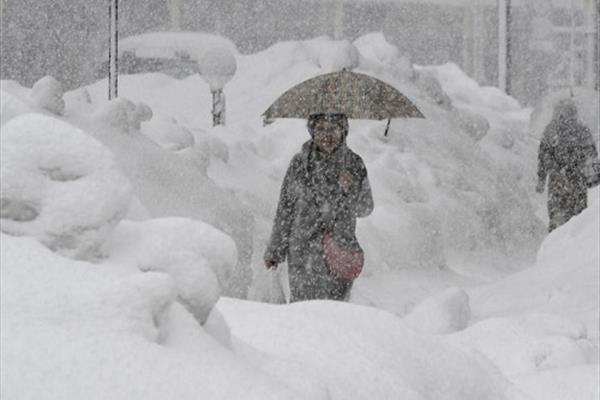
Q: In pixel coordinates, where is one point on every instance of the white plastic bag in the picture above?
(279, 287)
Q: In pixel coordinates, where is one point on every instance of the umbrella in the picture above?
(359, 96)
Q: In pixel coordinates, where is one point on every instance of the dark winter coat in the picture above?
(310, 202)
(565, 148)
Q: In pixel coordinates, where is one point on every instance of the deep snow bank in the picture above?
(441, 197)
(449, 198)
(164, 183)
(60, 186)
(564, 280)
(364, 353)
(73, 330)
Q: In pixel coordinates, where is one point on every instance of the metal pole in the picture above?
(218, 110)
(503, 45)
(597, 45)
(113, 49)
(508, 46)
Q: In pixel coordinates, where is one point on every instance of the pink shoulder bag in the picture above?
(343, 262)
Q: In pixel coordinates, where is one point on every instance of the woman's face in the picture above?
(327, 136)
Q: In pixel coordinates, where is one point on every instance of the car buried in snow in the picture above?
(172, 53)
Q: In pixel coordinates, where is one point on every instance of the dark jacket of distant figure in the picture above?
(310, 202)
(564, 149)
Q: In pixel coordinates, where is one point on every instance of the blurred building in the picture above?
(552, 43)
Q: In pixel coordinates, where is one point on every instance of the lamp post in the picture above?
(217, 66)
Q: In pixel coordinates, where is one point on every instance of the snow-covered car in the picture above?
(172, 53)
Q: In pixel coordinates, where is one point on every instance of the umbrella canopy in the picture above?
(359, 96)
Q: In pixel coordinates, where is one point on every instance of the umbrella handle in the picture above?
(387, 127)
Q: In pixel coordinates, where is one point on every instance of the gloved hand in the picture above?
(270, 264)
(541, 185)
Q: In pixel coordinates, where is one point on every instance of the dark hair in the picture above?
(339, 119)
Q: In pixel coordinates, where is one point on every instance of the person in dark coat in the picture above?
(325, 189)
(565, 148)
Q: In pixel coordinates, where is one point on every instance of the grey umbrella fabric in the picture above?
(359, 96)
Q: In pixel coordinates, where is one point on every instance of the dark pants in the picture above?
(315, 282)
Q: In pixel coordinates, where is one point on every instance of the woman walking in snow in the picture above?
(324, 190)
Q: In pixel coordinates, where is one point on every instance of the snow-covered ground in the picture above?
(124, 223)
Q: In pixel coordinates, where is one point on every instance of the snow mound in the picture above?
(465, 91)
(338, 55)
(168, 184)
(70, 327)
(446, 312)
(166, 132)
(60, 186)
(563, 280)
(563, 383)
(364, 353)
(491, 117)
(124, 115)
(450, 196)
(429, 84)
(11, 105)
(47, 94)
(415, 232)
(199, 258)
(530, 343)
(475, 125)
(377, 53)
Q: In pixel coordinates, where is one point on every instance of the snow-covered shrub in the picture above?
(337, 55)
(212, 145)
(475, 125)
(124, 115)
(168, 133)
(446, 312)
(168, 184)
(503, 139)
(142, 113)
(59, 185)
(465, 91)
(47, 93)
(377, 52)
(78, 102)
(428, 83)
(80, 95)
(197, 256)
